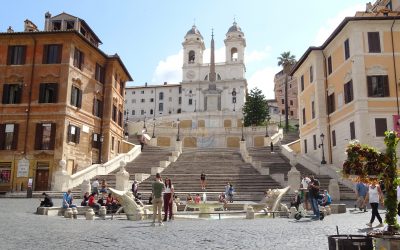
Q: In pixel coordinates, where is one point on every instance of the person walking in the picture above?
(135, 187)
(313, 187)
(373, 196)
(168, 199)
(95, 186)
(203, 181)
(361, 192)
(142, 142)
(156, 192)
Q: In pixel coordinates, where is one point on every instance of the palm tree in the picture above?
(286, 60)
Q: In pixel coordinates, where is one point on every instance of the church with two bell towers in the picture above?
(205, 87)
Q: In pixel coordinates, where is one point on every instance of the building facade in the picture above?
(205, 87)
(348, 87)
(61, 98)
(279, 90)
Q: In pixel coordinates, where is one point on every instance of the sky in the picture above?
(148, 35)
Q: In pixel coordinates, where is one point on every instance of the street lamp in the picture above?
(242, 130)
(322, 136)
(266, 126)
(177, 137)
(144, 122)
(154, 127)
(101, 149)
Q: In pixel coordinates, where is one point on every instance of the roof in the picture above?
(154, 86)
(39, 33)
(234, 28)
(335, 33)
(194, 31)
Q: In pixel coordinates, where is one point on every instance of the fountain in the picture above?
(272, 201)
(132, 210)
(204, 207)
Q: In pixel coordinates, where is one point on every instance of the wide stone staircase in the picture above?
(220, 166)
(279, 164)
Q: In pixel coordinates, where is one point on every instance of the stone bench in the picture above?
(338, 208)
(59, 211)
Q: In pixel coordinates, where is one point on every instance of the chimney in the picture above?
(47, 17)
(29, 26)
(10, 29)
(145, 84)
(165, 83)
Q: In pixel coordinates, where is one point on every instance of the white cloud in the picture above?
(169, 70)
(258, 55)
(263, 79)
(332, 23)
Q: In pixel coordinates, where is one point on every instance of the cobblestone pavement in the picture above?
(22, 229)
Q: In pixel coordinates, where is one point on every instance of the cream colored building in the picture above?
(348, 87)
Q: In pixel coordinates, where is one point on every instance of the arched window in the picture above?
(234, 54)
(192, 56)
(161, 96)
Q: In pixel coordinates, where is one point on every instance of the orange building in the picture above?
(62, 98)
(279, 90)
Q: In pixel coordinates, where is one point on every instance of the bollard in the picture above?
(75, 213)
(292, 212)
(103, 212)
(89, 214)
(250, 213)
(68, 213)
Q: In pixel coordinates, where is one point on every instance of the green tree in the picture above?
(255, 109)
(286, 60)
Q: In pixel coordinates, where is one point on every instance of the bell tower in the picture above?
(193, 48)
(234, 45)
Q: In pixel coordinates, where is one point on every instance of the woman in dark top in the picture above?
(85, 199)
(47, 202)
(203, 181)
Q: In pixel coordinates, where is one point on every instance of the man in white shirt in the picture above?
(304, 188)
(95, 186)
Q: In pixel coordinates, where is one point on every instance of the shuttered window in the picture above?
(76, 97)
(73, 134)
(48, 93)
(378, 86)
(329, 65)
(79, 58)
(9, 136)
(302, 83)
(380, 126)
(16, 55)
(374, 43)
(352, 131)
(333, 138)
(348, 92)
(305, 146)
(346, 49)
(12, 93)
(52, 53)
(331, 103)
(304, 116)
(315, 142)
(45, 136)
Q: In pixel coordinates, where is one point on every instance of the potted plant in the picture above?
(366, 163)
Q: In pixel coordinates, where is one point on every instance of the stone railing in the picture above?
(64, 181)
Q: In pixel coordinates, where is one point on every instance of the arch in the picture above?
(192, 56)
(234, 54)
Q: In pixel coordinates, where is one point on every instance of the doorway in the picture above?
(42, 176)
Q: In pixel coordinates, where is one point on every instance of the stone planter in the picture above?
(387, 242)
(347, 242)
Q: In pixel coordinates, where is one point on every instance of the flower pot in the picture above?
(349, 242)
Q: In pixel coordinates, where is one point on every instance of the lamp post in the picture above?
(322, 136)
(154, 127)
(242, 130)
(144, 122)
(266, 126)
(177, 137)
(101, 149)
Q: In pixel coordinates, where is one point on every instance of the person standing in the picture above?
(157, 189)
(313, 187)
(374, 195)
(135, 187)
(203, 181)
(168, 199)
(142, 142)
(305, 195)
(361, 192)
(231, 191)
(228, 185)
(95, 186)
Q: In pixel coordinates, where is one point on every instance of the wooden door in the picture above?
(42, 180)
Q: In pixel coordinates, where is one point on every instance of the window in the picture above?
(45, 136)
(73, 134)
(170, 99)
(180, 90)
(142, 100)
(191, 57)
(374, 43)
(291, 102)
(291, 113)
(96, 140)
(180, 100)
(118, 146)
(120, 117)
(329, 65)
(112, 143)
(161, 96)
(346, 49)
(151, 111)
(333, 138)
(76, 97)
(312, 110)
(70, 25)
(234, 99)
(8, 136)
(348, 92)
(378, 86)
(133, 92)
(283, 112)
(283, 101)
(311, 74)
(79, 58)
(160, 107)
(352, 131)
(380, 126)
(304, 116)
(314, 137)
(302, 83)
(5, 172)
(190, 101)
(97, 108)
(133, 101)
(305, 146)
(52, 53)
(133, 112)
(16, 55)
(114, 113)
(12, 93)
(331, 103)
(99, 74)
(151, 99)
(48, 93)
(57, 25)
(142, 112)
